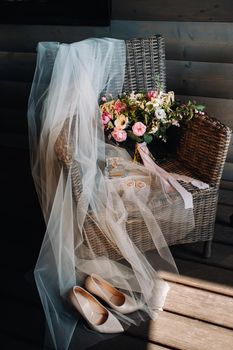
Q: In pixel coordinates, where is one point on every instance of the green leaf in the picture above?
(147, 138)
(200, 107)
(134, 137)
(110, 125)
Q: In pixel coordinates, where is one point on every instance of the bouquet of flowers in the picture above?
(143, 116)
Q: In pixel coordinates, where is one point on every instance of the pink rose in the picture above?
(151, 94)
(106, 117)
(119, 135)
(139, 129)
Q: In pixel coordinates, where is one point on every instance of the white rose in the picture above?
(160, 114)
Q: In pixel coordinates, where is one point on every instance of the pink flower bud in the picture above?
(151, 94)
(106, 117)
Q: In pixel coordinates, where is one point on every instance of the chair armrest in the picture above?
(203, 147)
(63, 147)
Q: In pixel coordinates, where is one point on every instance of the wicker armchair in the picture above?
(201, 154)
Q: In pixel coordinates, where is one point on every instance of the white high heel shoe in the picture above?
(117, 300)
(97, 316)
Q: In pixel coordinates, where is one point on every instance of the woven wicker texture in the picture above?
(203, 148)
(145, 64)
(201, 154)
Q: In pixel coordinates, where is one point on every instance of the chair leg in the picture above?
(207, 249)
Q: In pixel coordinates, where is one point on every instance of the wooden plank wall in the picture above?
(199, 49)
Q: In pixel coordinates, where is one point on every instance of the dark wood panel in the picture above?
(15, 140)
(200, 78)
(21, 212)
(183, 77)
(230, 151)
(24, 254)
(228, 185)
(9, 343)
(17, 66)
(126, 342)
(222, 254)
(14, 94)
(13, 121)
(226, 197)
(228, 171)
(26, 286)
(224, 213)
(195, 41)
(26, 37)
(209, 42)
(224, 234)
(23, 327)
(169, 10)
(45, 12)
(205, 272)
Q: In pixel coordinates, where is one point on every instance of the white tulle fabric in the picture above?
(67, 85)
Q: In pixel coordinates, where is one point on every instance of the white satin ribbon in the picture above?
(187, 179)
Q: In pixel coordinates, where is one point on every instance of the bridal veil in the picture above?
(68, 82)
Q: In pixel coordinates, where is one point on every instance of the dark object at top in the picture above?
(82, 13)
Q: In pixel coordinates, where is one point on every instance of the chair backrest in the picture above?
(145, 64)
